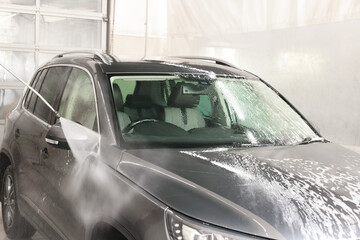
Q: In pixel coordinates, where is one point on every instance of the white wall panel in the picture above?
(82, 5)
(68, 32)
(19, 2)
(23, 63)
(17, 28)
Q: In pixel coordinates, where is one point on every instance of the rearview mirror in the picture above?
(55, 137)
(192, 89)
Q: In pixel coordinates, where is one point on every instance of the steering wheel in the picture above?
(134, 124)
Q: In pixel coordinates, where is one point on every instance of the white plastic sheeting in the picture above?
(209, 17)
(130, 23)
(308, 50)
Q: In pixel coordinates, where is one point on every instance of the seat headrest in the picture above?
(118, 99)
(138, 101)
(180, 100)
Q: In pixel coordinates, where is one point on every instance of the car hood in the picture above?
(294, 192)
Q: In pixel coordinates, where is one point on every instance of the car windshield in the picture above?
(198, 110)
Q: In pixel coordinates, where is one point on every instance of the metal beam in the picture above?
(110, 25)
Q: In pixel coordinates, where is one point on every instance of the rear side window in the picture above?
(78, 100)
(31, 97)
(49, 90)
(29, 92)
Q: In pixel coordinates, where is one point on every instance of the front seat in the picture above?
(123, 118)
(181, 109)
(140, 107)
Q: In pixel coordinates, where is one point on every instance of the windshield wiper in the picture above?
(308, 140)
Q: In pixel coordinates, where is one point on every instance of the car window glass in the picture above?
(126, 87)
(28, 91)
(78, 100)
(49, 90)
(31, 95)
(200, 110)
(204, 105)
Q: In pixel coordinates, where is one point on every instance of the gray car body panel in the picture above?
(289, 188)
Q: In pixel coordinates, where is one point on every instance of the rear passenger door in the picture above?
(32, 127)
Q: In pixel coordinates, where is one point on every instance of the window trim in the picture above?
(93, 86)
(27, 96)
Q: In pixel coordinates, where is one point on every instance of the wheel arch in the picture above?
(5, 161)
(109, 230)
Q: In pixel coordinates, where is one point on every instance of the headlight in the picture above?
(182, 228)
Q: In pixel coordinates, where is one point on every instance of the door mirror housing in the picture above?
(56, 137)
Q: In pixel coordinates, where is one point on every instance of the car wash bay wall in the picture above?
(315, 65)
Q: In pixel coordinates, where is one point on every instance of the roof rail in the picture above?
(211, 59)
(104, 57)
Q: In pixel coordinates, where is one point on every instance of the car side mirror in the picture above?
(56, 137)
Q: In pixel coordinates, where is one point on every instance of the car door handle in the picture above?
(51, 141)
(44, 154)
(17, 133)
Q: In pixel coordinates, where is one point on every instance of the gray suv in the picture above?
(179, 148)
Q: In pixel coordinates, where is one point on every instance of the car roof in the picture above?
(112, 65)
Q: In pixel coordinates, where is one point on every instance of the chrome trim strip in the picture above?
(51, 141)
